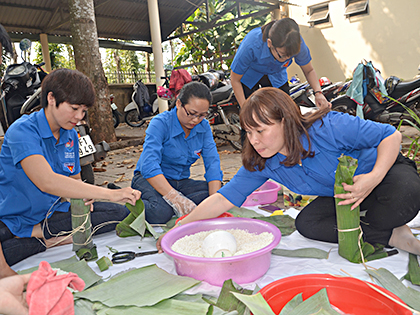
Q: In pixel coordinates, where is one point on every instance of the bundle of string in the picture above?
(69, 234)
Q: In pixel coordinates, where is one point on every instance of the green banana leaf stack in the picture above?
(81, 224)
(350, 240)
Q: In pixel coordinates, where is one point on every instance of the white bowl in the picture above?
(219, 244)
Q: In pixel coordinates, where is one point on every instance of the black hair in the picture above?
(193, 90)
(283, 33)
(70, 86)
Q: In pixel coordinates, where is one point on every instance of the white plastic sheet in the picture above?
(280, 266)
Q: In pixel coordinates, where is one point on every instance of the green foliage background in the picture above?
(220, 41)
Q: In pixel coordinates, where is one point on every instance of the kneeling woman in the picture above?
(301, 153)
(174, 141)
(39, 168)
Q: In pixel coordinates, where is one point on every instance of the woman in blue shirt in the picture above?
(39, 169)
(301, 153)
(264, 55)
(174, 141)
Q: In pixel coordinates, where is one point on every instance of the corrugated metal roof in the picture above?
(117, 19)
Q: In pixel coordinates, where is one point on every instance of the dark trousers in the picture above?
(393, 203)
(158, 211)
(17, 249)
(264, 82)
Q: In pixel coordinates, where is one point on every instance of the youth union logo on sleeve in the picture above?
(69, 145)
(198, 152)
(69, 166)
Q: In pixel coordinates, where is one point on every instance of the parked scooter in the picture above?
(115, 113)
(142, 107)
(381, 108)
(21, 93)
(224, 110)
(303, 95)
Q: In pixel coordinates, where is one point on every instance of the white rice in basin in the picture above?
(246, 242)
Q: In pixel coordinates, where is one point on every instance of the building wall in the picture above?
(389, 36)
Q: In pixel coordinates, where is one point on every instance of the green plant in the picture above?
(414, 147)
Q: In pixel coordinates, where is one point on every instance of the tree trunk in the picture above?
(88, 61)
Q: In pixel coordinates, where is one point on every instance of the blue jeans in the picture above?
(157, 210)
(17, 249)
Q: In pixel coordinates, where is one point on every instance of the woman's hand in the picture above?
(12, 297)
(321, 101)
(159, 245)
(181, 204)
(124, 195)
(362, 187)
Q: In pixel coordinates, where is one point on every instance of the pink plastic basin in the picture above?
(241, 269)
(266, 193)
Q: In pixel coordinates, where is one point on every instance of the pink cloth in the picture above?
(47, 293)
(178, 79)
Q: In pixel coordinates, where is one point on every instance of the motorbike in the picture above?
(224, 110)
(142, 107)
(21, 92)
(303, 95)
(115, 112)
(381, 108)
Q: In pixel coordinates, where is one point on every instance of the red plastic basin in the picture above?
(350, 295)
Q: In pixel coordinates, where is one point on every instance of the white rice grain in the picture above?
(246, 242)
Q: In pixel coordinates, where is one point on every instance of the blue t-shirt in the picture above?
(22, 204)
(337, 133)
(166, 150)
(253, 60)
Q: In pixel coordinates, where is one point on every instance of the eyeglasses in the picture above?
(277, 53)
(200, 117)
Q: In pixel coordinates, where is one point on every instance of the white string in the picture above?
(69, 234)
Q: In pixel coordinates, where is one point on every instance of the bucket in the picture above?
(350, 295)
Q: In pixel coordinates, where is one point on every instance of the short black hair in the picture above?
(68, 86)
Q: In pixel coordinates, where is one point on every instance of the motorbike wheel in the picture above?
(133, 119)
(344, 105)
(233, 118)
(87, 174)
(116, 119)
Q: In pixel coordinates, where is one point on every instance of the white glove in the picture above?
(181, 204)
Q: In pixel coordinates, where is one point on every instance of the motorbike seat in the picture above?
(404, 87)
(223, 93)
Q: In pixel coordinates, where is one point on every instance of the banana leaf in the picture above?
(350, 240)
(135, 223)
(83, 307)
(104, 263)
(139, 287)
(180, 304)
(316, 304)
(123, 228)
(390, 282)
(228, 302)
(82, 238)
(292, 304)
(244, 213)
(256, 303)
(285, 223)
(61, 264)
(413, 274)
(81, 268)
(301, 253)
